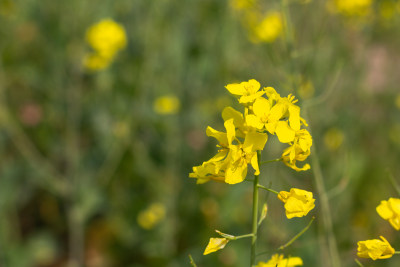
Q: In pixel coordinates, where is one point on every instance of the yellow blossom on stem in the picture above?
(209, 170)
(390, 211)
(242, 154)
(269, 29)
(375, 249)
(215, 244)
(298, 202)
(298, 151)
(246, 91)
(279, 261)
(151, 216)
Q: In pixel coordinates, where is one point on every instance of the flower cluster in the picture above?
(106, 38)
(381, 249)
(262, 27)
(265, 112)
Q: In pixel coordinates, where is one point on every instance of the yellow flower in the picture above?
(333, 138)
(242, 154)
(247, 91)
(96, 62)
(150, 217)
(106, 37)
(375, 249)
(298, 202)
(278, 261)
(353, 7)
(298, 151)
(390, 211)
(269, 29)
(215, 244)
(167, 105)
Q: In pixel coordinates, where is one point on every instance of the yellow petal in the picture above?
(284, 132)
(231, 113)
(261, 107)
(230, 130)
(256, 140)
(235, 89)
(254, 121)
(215, 244)
(220, 136)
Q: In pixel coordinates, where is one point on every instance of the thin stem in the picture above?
(298, 235)
(243, 236)
(255, 214)
(192, 261)
(393, 181)
(358, 263)
(397, 252)
(269, 161)
(268, 189)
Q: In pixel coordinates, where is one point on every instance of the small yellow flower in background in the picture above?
(269, 29)
(215, 244)
(397, 101)
(151, 216)
(247, 91)
(242, 4)
(167, 105)
(390, 211)
(357, 8)
(298, 202)
(333, 138)
(106, 38)
(279, 261)
(375, 249)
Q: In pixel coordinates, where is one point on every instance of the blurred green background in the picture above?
(93, 172)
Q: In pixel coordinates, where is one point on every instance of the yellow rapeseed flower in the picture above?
(298, 202)
(356, 8)
(298, 151)
(215, 244)
(269, 29)
(279, 261)
(168, 104)
(246, 91)
(151, 216)
(390, 211)
(106, 37)
(375, 249)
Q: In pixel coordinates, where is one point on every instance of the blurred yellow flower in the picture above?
(246, 91)
(269, 29)
(242, 4)
(375, 249)
(333, 138)
(353, 7)
(96, 62)
(279, 261)
(106, 37)
(298, 202)
(390, 211)
(167, 105)
(151, 216)
(397, 101)
(215, 244)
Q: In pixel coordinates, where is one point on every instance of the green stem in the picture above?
(358, 263)
(269, 161)
(297, 236)
(397, 252)
(268, 189)
(192, 261)
(255, 214)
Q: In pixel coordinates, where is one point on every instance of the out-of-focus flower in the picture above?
(352, 8)
(215, 244)
(397, 101)
(333, 138)
(246, 91)
(242, 4)
(106, 38)
(151, 216)
(390, 211)
(375, 249)
(279, 261)
(298, 202)
(167, 105)
(269, 29)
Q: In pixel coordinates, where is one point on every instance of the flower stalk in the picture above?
(255, 214)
